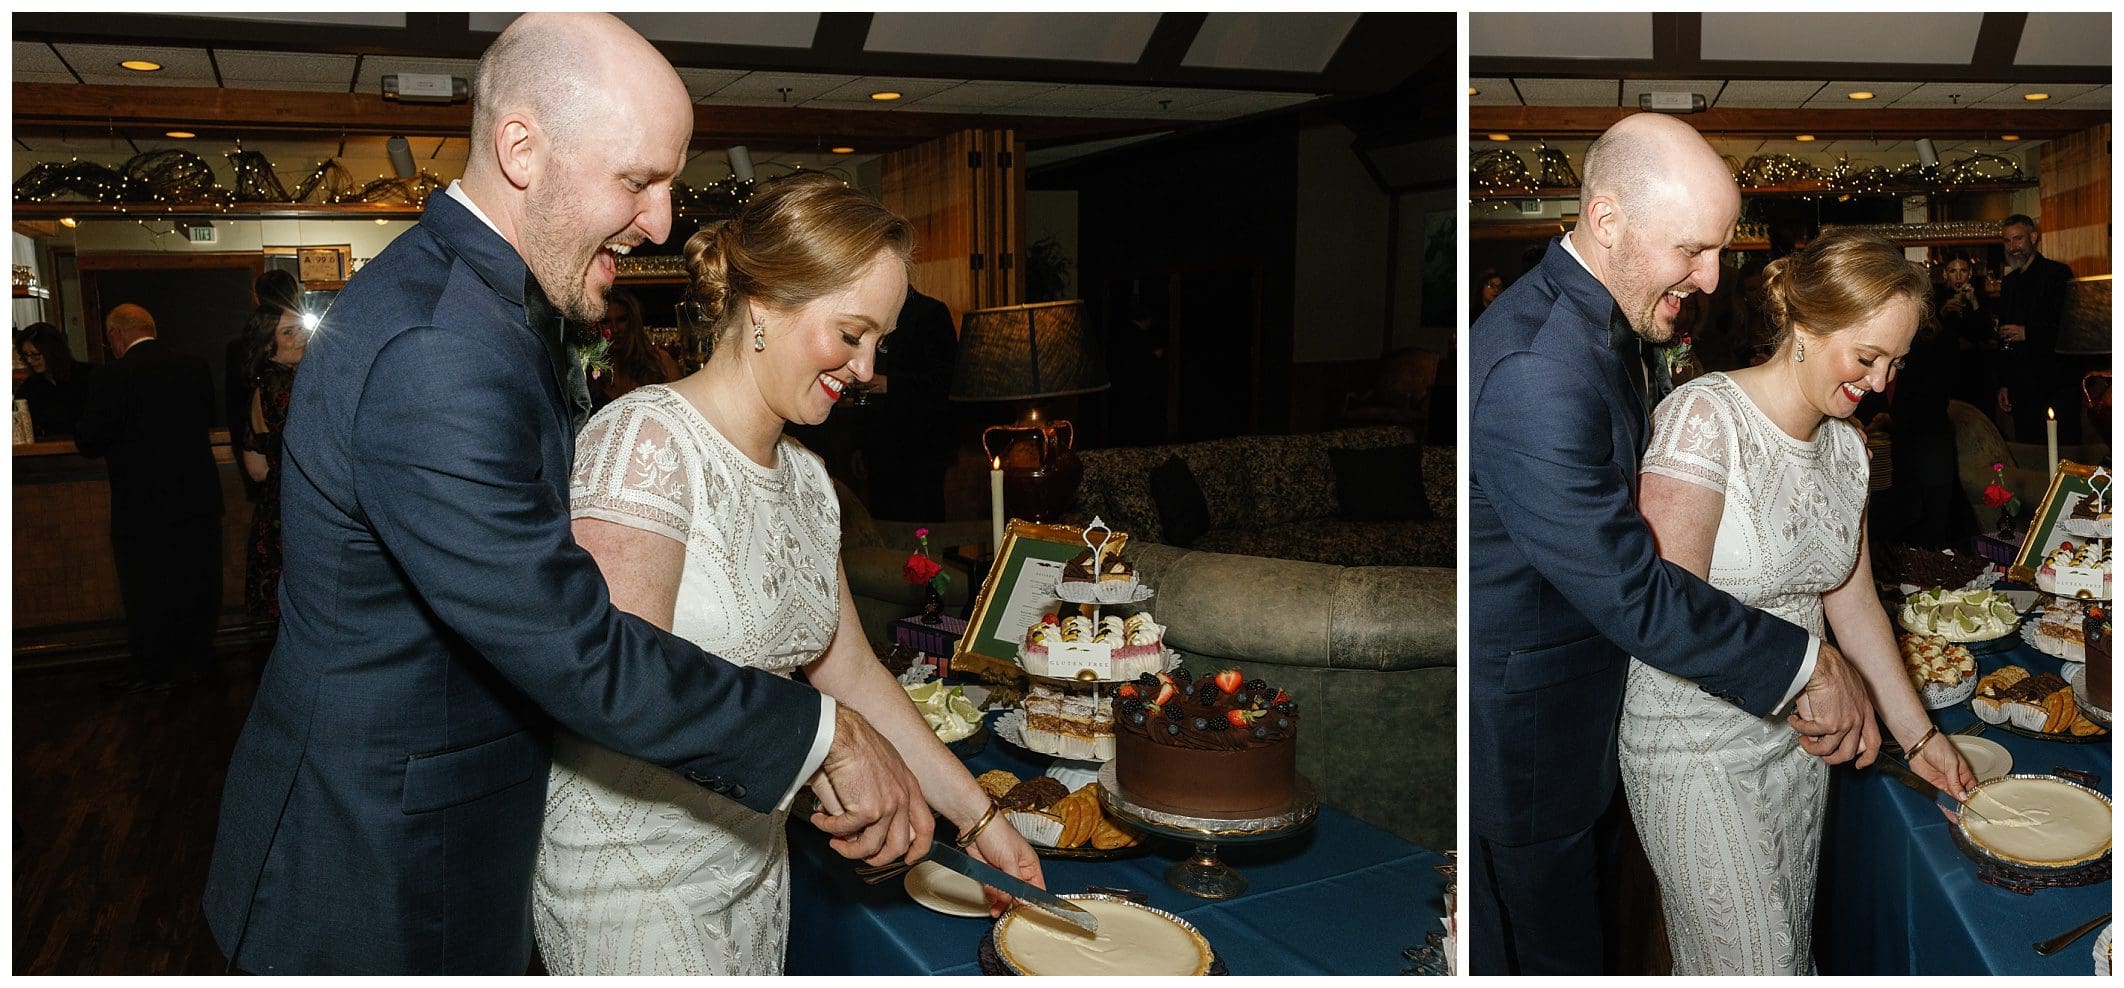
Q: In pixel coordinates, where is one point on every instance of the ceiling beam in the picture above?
(1963, 124)
(1168, 43)
(46, 107)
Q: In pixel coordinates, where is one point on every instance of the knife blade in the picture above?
(1017, 888)
(1918, 785)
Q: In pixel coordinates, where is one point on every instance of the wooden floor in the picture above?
(115, 802)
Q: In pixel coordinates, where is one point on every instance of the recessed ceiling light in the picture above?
(69, 222)
(885, 96)
(1804, 137)
(1500, 137)
(179, 134)
(2009, 137)
(1861, 94)
(1472, 91)
(2035, 97)
(140, 65)
(843, 149)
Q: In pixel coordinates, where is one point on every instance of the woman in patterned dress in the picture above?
(708, 522)
(1756, 482)
(273, 379)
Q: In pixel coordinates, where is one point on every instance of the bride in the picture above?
(707, 522)
(1756, 481)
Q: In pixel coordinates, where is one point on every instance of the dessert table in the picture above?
(1341, 897)
(1896, 895)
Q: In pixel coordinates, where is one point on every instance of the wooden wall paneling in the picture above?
(966, 202)
(2075, 196)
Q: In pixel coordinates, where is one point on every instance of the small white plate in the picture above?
(2101, 952)
(1987, 758)
(946, 891)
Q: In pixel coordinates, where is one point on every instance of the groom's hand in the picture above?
(1834, 716)
(882, 816)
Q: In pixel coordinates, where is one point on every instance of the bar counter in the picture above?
(66, 587)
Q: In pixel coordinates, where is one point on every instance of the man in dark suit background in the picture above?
(907, 439)
(148, 412)
(2032, 300)
(383, 805)
(1565, 583)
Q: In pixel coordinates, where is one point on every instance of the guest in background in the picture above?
(273, 368)
(907, 440)
(1488, 285)
(635, 359)
(275, 288)
(148, 411)
(2031, 310)
(1926, 506)
(1969, 328)
(56, 383)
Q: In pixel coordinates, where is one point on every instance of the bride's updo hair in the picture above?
(1839, 281)
(798, 239)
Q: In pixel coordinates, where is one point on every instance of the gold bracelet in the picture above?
(967, 838)
(1922, 742)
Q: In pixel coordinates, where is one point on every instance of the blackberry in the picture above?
(1182, 676)
(1286, 707)
(1254, 686)
(1206, 692)
(1147, 681)
(1172, 728)
(1218, 725)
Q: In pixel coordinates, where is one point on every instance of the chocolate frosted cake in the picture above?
(1222, 746)
(2096, 634)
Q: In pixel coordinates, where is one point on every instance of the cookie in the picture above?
(1107, 836)
(996, 783)
(1036, 793)
(1080, 816)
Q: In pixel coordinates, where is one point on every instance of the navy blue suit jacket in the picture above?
(1564, 580)
(383, 805)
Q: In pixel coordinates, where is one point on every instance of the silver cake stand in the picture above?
(1203, 875)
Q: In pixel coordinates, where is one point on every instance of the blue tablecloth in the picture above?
(1342, 897)
(1897, 896)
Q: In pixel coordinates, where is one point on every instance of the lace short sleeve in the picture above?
(634, 466)
(1693, 438)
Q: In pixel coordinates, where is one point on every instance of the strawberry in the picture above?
(1230, 680)
(1237, 718)
(1050, 619)
(1128, 690)
(1166, 693)
(1281, 697)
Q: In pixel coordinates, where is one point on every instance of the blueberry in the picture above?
(1283, 723)
(1261, 734)
(1137, 717)
(1172, 728)
(1201, 723)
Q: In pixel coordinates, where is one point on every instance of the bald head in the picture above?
(1648, 159)
(127, 323)
(563, 71)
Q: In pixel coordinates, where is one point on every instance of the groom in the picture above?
(383, 805)
(1565, 583)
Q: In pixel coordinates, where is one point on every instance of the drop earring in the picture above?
(1799, 351)
(759, 335)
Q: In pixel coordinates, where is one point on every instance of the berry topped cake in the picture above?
(1221, 746)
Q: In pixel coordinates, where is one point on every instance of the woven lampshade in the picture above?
(1027, 351)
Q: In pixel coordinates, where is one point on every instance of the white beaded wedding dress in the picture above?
(1728, 806)
(641, 871)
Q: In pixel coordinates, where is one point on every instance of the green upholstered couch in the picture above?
(1274, 496)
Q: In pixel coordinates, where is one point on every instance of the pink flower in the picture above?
(921, 533)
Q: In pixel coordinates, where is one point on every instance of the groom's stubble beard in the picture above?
(1638, 293)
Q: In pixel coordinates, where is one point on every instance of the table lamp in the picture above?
(1025, 353)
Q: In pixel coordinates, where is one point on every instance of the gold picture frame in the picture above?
(1029, 561)
(2071, 484)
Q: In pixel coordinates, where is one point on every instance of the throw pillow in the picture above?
(1182, 511)
(1380, 484)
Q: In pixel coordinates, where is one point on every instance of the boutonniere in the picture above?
(595, 357)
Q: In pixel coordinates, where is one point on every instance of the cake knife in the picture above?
(943, 853)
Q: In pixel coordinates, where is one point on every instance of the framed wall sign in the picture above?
(1016, 592)
(315, 265)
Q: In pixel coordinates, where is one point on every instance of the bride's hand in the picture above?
(1941, 764)
(1002, 846)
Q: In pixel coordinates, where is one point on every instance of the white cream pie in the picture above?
(1132, 940)
(2042, 823)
